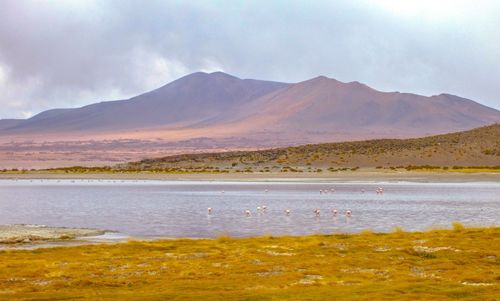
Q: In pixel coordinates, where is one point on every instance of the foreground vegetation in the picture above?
(442, 265)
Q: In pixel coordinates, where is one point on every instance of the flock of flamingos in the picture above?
(317, 212)
(263, 208)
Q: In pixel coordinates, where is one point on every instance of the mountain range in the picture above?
(254, 113)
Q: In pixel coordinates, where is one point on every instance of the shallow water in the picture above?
(179, 208)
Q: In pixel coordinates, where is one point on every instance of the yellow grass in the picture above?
(436, 265)
(465, 169)
(460, 170)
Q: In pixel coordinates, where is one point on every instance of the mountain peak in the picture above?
(321, 79)
(200, 75)
(220, 74)
(319, 107)
(449, 95)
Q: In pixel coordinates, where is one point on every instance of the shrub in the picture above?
(398, 230)
(457, 226)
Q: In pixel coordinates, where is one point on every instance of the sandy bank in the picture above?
(35, 234)
(369, 175)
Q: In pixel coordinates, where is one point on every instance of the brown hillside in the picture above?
(477, 147)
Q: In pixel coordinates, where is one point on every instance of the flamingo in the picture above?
(348, 213)
(287, 211)
(317, 212)
(209, 210)
(247, 213)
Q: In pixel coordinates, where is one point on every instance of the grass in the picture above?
(330, 171)
(463, 169)
(453, 264)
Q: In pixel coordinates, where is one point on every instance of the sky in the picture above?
(69, 53)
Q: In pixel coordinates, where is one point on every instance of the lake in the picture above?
(179, 208)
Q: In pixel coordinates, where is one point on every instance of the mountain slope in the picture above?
(477, 147)
(218, 112)
(8, 123)
(324, 107)
(190, 99)
(320, 109)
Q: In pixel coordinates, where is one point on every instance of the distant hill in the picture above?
(189, 100)
(219, 105)
(323, 108)
(9, 123)
(477, 147)
(207, 112)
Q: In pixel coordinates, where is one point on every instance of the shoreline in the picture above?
(29, 237)
(346, 176)
(19, 236)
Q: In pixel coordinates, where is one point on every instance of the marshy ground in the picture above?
(441, 265)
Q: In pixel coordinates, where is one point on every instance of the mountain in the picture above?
(9, 123)
(217, 112)
(320, 109)
(190, 99)
(324, 108)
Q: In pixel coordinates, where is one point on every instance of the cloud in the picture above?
(71, 53)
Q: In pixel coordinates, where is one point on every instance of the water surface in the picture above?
(179, 208)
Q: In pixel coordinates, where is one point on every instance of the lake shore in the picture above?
(439, 264)
(33, 236)
(344, 176)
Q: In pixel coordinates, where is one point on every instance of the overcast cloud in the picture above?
(72, 53)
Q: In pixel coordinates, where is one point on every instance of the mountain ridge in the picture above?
(151, 104)
(245, 114)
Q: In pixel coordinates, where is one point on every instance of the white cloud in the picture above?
(154, 70)
(26, 114)
(427, 9)
(210, 65)
(72, 53)
(3, 75)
